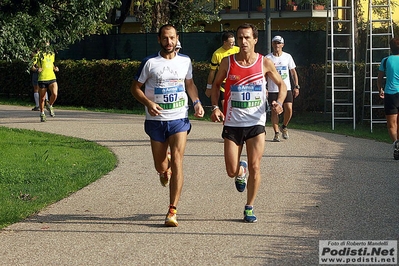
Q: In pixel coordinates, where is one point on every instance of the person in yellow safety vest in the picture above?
(228, 48)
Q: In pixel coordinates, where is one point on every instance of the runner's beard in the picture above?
(166, 51)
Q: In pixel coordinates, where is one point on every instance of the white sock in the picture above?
(36, 96)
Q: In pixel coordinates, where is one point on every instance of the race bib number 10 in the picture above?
(246, 96)
(170, 98)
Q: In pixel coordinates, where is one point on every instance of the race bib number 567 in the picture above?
(170, 98)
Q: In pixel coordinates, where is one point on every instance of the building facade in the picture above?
(284, 15)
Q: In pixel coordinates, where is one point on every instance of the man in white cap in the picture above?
(285, 65)
(178, 46)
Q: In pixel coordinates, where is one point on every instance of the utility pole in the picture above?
(268, 31)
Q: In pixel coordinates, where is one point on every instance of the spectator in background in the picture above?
(178, 47)
(35, 83)
(47, 81)
(285, 66)
(228, 48)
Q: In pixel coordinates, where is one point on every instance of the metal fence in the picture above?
(307, 47)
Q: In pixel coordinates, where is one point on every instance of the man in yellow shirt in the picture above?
(47, 80)
(228, 48)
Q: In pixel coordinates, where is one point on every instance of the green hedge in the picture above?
(102, 83)
(106, 83)
(14, 79)
(96, 83)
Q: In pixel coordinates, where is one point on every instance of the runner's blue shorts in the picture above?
(162, 130)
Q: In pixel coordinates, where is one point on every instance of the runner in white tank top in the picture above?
(244, 116)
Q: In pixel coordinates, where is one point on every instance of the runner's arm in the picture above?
(217, 115)
(271, 72)
(153, 108)
(192, 91)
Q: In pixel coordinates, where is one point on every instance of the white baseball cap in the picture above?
(278, 39)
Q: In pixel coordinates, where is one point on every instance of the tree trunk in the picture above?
(161, 13)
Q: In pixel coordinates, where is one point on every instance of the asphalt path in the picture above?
(315, 186)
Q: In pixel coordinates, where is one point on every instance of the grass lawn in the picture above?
(37, 169)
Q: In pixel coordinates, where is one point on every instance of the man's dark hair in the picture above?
(166, 26)
(226, 35)
(248, 26)
(394, 44)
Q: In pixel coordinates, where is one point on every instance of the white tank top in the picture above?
(245, 94)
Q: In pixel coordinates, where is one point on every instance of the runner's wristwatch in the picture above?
(214, 107)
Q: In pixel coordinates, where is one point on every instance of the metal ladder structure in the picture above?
(379, 33)
(340, 62)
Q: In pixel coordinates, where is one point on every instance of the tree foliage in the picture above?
(26, 25)
(186, 15)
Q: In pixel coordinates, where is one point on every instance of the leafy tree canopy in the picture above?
(186, 15)
(26, 25)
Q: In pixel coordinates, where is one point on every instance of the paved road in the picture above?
(315, 186)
